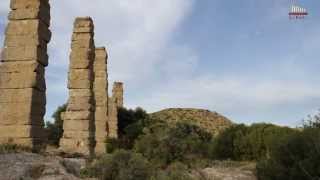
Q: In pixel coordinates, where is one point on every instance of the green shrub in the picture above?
(163, 145)
(255, 142)
(13, 148)
(130, 125)
(312, 121)
(112, 144)
(127, 117)
(297, 157)
(55, 130)
(121, 165)
(229, 144)
(175, 171)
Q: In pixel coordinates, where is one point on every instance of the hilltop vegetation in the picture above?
(151, 148)
(212, 122)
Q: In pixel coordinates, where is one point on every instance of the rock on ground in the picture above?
(29, 166)
(242, 172)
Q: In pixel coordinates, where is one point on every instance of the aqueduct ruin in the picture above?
(91, 114)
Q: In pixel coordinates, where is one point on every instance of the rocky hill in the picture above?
(211, 121)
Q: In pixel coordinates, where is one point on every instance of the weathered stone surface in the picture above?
(101, 85)
(27, 77)
(117, 94)
(29, 28)
(112, 118)
(79, 130)
(76, 133)
(23, 40)
(99, 74)
(22, 73)
(76, 125)
(21, 111)
(25, 53)
(101, 98)
(76, 145)
(83, 22)
(21, 131)
(100, 147)
(22, 4)
(80, 93)
(80, 79)
(101, 115)
(80, 104)
(82, 43)
(81, 58)
(14, 67)
(23, 96)
(28, 166)
(31, 13)
(78, 115)
(83, 38)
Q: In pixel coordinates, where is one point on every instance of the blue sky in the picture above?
(244, 59)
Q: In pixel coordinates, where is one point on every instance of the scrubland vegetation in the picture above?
(151, 149)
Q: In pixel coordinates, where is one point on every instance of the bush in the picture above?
(297, 157)
(255, 142)
(163, 145)
(121, 165)
(130, 126)
(312, 121)
(13, 148)
(128, 117)
(176, 171)
(55, 130)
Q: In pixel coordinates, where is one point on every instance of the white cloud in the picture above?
(157, 71)
(137, 34)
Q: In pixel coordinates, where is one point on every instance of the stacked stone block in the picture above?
(115, 102)
(78, 120)
(22, 73)
(117, 94)
(101, 98)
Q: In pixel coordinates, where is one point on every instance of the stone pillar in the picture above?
(117, 94)
(22, 73)
(101, 98)
(115, 102)
(78, 120)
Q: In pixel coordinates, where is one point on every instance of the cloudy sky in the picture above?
(244, 59)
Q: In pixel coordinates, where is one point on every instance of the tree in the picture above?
(297, 157)
(130, 126)
(128, 117)
(312, 121)
(55, 129)
(163, 144)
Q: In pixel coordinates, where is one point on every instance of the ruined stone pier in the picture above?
(115, 102)
(22, 73)
(101, 98)
(79, 127)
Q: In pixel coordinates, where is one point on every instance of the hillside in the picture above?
(211, 121)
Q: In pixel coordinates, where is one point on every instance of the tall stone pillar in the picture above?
(101, 98)
(78, 120)
(117, 94)
(115, 102)
(22, 73)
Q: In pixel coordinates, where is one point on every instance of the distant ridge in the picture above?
(213, 122)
